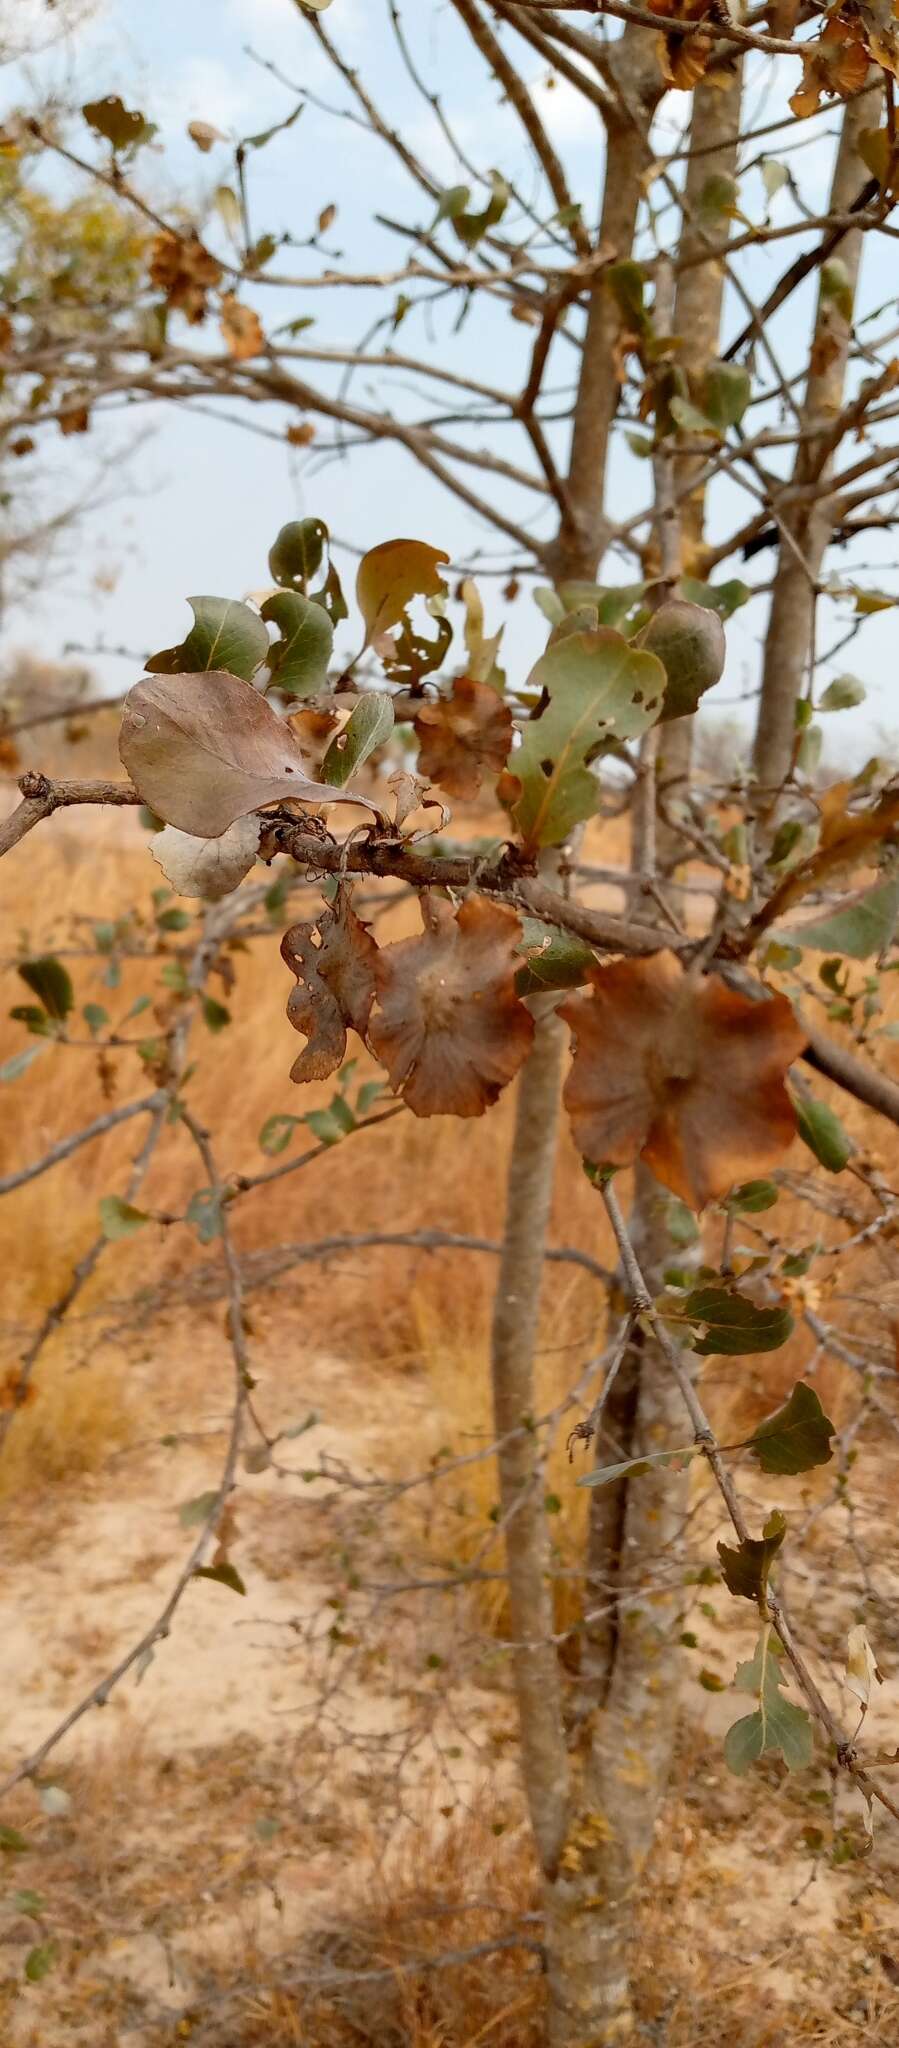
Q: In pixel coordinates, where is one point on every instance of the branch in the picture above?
(707, 1443)
(146, 1107)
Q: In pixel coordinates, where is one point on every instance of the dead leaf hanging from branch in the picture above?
(685, 1075)
(463, 735)
(334, 962)
(450, 1028)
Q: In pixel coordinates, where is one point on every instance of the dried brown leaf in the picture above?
(205, 749)
(334, 961)
(463, 735)
(449, 1028)
(241, 329)
(687, 1076)
(185, 271)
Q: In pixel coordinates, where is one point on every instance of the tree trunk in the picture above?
(806, 528)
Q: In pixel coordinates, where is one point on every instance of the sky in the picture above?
(188, 504)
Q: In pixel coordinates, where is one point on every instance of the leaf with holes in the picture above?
(123, 127)
(463, 736)
(730, 1325)
(208, 868)
(689, 642)
(776, 1724)
(203, 750)
(224, 635)
(369, 725)
(390, 576)
(299, 659)
(597, 689)
(334, 961)
(296, 555)
(797, 1437)
(682, 1073)
(746, 1565)
(449, 1026)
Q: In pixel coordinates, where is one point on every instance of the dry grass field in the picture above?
(319, 1780)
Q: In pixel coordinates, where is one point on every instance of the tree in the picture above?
(684, 1041)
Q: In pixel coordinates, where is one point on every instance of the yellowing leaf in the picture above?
(391, 575)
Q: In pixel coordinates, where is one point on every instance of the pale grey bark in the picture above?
(807, 527)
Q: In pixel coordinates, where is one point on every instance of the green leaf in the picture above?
(36, 1021)
(786, 839)
(689, 642)
(173, 920)
(723, 598)
(774, 176)
(809, 751)
(680, 1223)
(821, 1130)
(776, 1724)
(296, 555)
(751, 1197)
(689, 418)
(276, 1134)
(29, 1903)
(452, 203)
(193, 1513)
(603, 1475)
(367, 728)
(40, 1961)
(11, 1842)
(224, 1575)
(726, 391)
(51, 982)
(299, 660)
(95, 1016)
(554, 959)
(331, 1124)
(20, 1062)
(215, 1015)
(734, 1325)
(120, 1219)
(225, 635)
(204, 1211)
(598, 689)
(717, 199)
(797, 1437)
(842, 694)
(745, 1567)
(858, 929)
(473, 226)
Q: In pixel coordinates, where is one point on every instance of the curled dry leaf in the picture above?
(205, 749)
(210, 868)
(184, 270)
(463, 735)
(686, 1075)
(241, 329)
(334, 961)
(450, 1028)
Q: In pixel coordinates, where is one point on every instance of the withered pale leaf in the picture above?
(861, 1665)
(687, 1076)
(463, 735)
(210, 868)
(205, 749)
(449, 1026)
(334, 962)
